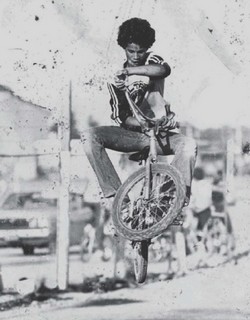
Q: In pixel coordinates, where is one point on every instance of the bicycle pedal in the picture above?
(178, 221)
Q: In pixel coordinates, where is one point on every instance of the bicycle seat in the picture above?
(140, 155)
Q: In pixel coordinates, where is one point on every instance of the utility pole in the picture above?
(63, 208)
(230, 170)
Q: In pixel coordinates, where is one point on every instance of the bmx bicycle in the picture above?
(150, 199)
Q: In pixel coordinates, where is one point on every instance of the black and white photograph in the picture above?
(125, 159)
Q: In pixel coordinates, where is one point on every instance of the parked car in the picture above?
(29, 220)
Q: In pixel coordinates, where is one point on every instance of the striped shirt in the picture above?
(120, 109)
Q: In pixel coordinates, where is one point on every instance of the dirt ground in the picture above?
(210, 293)
(216, 292)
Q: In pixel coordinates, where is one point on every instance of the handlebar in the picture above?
(148, 123)
(145, 122)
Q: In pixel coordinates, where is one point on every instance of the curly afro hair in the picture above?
(137, 31)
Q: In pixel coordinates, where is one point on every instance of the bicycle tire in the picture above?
(141, 261)
(156, 229)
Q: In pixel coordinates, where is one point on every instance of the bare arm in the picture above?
(151, 70)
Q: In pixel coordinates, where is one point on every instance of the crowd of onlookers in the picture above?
(206, 233)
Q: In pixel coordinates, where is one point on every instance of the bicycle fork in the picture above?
(151, 159)
(148, 177)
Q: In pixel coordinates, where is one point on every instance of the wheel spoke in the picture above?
(139, 213)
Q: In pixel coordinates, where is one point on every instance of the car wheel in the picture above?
(28, 250)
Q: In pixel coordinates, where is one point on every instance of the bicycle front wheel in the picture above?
(139, 217)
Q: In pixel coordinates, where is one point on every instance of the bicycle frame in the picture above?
(152, 137)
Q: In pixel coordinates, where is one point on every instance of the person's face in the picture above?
(135, 54)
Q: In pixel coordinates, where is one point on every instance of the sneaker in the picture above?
(108, 203)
